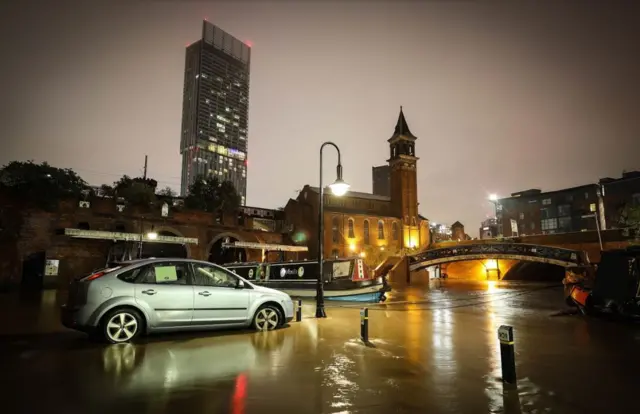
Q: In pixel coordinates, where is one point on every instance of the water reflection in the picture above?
(195, 362)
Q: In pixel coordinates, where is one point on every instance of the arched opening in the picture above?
(535, 272)
(165, 249)
(219, 254)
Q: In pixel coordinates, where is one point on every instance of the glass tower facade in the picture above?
(215, 110)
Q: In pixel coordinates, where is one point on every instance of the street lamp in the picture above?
(338, 188)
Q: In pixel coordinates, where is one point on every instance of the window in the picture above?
(586, 196)
(334, 253)
(206, 275)
(564, 210)
(549, 224)
(164, 273)
(394, 231)
(564, 223)
(366, 232)
(635, 199)
(569, 198)
(335, 229)
(545, 213)
(533, 225)
(131, 276)
(380, 230)
(521, 216)
(592, 207)
(546, 202)
(352, 234)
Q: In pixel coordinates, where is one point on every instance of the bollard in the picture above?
(507, 354)
(364, 325)
(299, 311)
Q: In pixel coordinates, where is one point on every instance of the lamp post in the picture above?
(338, 188)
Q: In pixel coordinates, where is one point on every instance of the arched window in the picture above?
(413, 221)
(351, 231)
(380, 230)
(366, 232)
(394, 231)
(335, 230)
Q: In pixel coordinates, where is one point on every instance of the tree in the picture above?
(373, 256)
(136, 191)
(41, 184)
(167, 192)
(630, 220)
(210, 194)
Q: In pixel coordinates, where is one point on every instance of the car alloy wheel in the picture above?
(267, 319)
(121, 327)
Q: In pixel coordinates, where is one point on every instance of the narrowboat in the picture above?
(615, 288)
(347, 279)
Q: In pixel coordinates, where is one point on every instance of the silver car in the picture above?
(162, 295)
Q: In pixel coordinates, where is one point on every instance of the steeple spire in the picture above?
(401, 127)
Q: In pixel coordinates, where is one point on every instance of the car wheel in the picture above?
(267, 318)
(121, 325)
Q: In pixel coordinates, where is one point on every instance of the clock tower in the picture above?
(404, 187)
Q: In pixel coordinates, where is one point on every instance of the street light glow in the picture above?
(339, 188)
(493, 197)
(152, 235)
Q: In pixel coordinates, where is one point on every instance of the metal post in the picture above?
(141, 236)
(507, 354)
(364, 325)
(320, 312)
(595, 216)
(299, 311)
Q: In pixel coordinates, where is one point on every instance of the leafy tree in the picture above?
(630, 220)
(211, 194)
(373, 256)
(136, 191)
(167, 192)
(41, 184)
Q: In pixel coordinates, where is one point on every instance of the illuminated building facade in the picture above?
(358, 222)
(215, 109)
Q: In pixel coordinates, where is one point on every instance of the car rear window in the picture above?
(130, 276)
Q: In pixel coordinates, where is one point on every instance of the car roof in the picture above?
(127, 263)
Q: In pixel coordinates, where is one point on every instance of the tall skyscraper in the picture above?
(215, 109)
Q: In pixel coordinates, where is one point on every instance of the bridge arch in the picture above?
(166, 249)
(509, 251)
(221, 255)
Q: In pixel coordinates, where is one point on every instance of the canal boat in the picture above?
(347, 279)
(615, 288)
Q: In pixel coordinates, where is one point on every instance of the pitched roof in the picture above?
(457, 224)
(357, 194)
(402, 128)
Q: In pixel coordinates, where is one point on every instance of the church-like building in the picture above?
(358, 222)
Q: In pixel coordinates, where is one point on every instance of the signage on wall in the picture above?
(51, 267)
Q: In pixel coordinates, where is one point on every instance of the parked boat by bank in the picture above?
(347, 279)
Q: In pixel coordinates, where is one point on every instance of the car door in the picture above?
(165, 290)
(218, 298)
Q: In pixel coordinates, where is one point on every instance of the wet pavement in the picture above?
(433, 349)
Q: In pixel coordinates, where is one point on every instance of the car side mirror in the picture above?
(240, 284)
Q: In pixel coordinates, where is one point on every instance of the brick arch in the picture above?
(221, 236)
(176, 233)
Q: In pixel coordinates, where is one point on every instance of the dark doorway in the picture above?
(164, 249)
(221, 255)
(33, 271)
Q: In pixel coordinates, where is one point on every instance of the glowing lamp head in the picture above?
(152, 235)
(493, 197)
(352, 246)
(339, 188)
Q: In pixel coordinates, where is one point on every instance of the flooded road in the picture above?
(433, 349)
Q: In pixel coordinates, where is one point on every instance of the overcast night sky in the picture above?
(502, 97)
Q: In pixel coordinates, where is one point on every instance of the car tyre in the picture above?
(121, 325)
(267, 318)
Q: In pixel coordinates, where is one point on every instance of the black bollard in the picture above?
(299, 311)
(364, 325)
(507, 354)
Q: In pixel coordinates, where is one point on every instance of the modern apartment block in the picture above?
(215, 109)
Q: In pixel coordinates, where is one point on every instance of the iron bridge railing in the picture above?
(491, 250)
